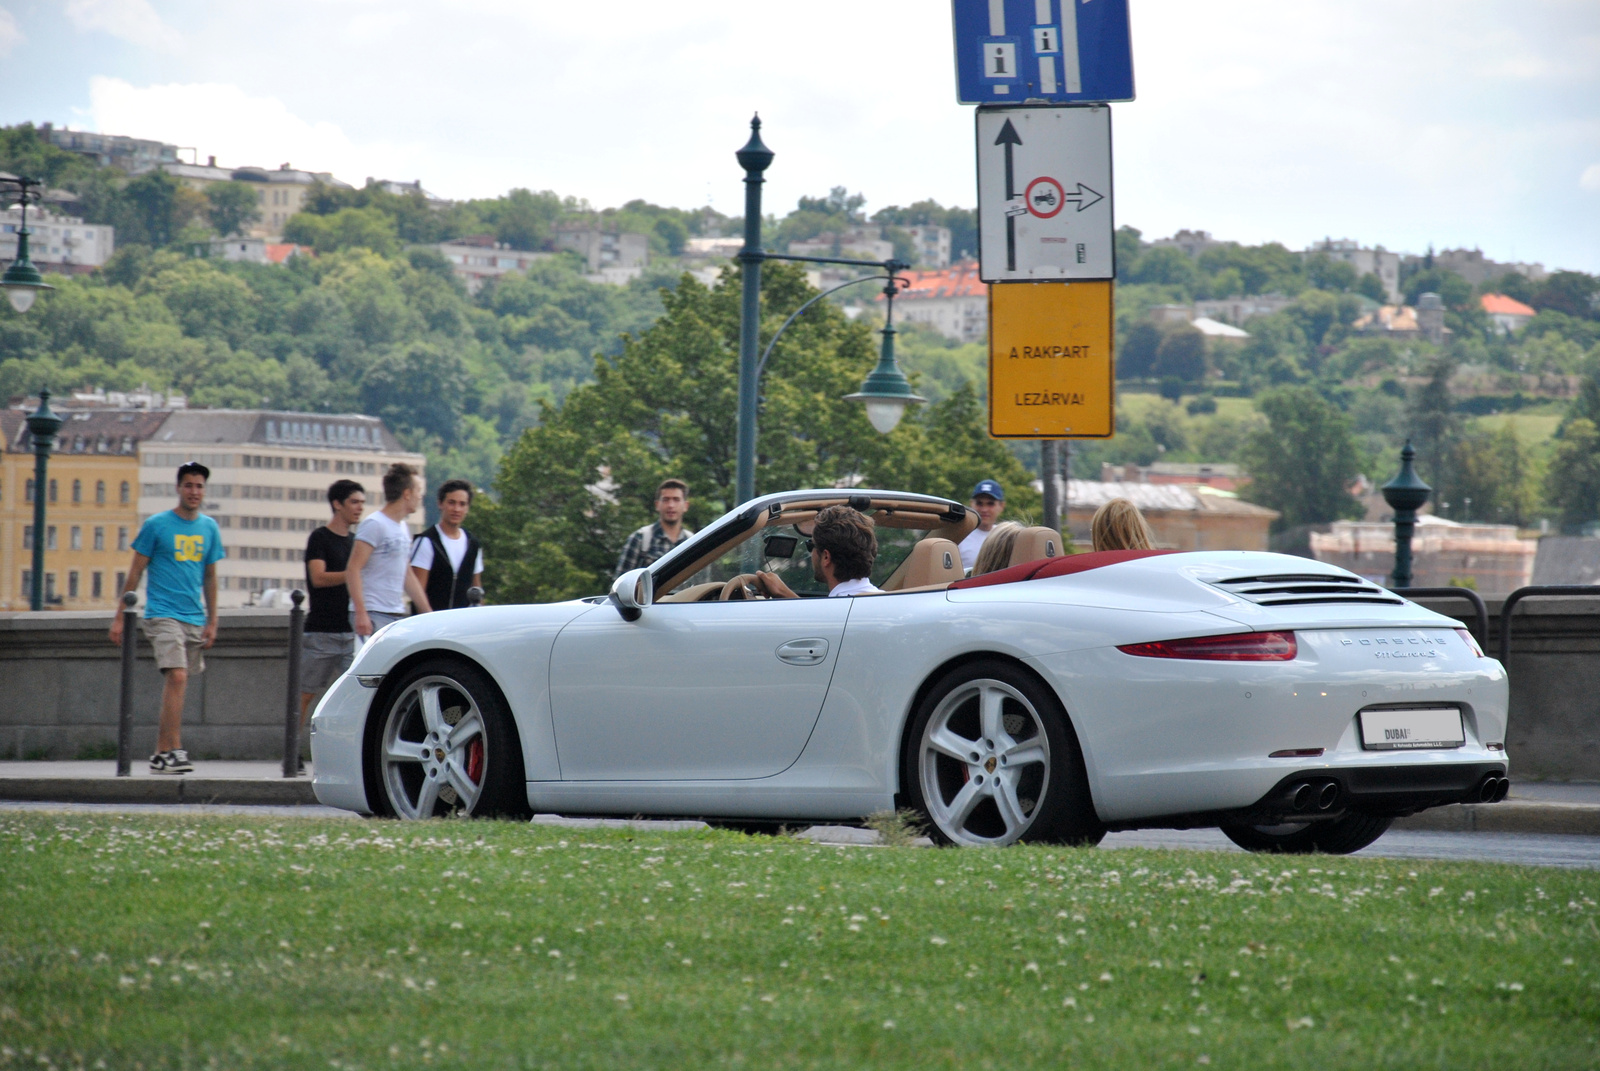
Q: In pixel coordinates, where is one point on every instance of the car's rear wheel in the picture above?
(446, 745)
(991, 760)
(1338, 837)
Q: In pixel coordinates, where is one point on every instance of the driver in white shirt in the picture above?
(844, 544)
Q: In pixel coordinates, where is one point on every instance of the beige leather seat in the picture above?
(1036, 544)
(931, 561)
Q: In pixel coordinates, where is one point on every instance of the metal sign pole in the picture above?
(130, 622)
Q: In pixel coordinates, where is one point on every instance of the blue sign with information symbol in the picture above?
(1056, 51)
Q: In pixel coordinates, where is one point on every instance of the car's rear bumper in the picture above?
(1321, 794)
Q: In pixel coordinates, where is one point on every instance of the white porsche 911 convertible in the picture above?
(1293, 704)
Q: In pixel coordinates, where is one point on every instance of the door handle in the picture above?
(803, 652)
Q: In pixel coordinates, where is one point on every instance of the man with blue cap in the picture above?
(988, 501)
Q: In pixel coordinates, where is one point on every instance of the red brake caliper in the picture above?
(475, 761)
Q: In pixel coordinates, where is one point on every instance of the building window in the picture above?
(50, 536)
(126, 491)
(27, 537)
(97, 584)
(122, 544)
(49, 587)
(27, 495)
(99, 538)
(75, 538)
(99, 492)
(27, 583)
(77, 492)
(72, 584)
(122, 582)
(53, 490)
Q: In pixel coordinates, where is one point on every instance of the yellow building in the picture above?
(92, 506)
(280, 193)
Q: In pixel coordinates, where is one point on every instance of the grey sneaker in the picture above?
(175, 761)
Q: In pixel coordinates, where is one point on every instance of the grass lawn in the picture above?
(241, 943)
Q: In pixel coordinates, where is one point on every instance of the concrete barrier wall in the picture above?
(60, 681)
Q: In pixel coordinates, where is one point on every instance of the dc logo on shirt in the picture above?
(188, 548)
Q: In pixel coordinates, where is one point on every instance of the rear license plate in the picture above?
(1409, 730)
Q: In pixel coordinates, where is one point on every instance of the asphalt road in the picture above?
(1519, 849)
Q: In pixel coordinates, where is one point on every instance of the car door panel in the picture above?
(693, 691)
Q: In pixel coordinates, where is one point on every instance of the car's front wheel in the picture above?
(445, 745)
(991, 760)
(1338, 837)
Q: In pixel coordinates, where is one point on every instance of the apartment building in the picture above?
(1376, 261)
(954, 302)
(91, 497)
(133, 155)
(476, 258)
(612, 257)
(270, 473)
(57, 243)
(280, 193)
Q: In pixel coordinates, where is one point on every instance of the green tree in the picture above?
(1433, 424)
(1182, 356)
(233, 206)
(1453, 290)
(1572, 484)
(1303, 463)
(1164, 265)
(1491, 477)
(1571, 292)
(571, 489)
(1371, 287)
(348, 228)
(1137, 357)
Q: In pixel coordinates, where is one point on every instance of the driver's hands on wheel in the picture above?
(773, 587)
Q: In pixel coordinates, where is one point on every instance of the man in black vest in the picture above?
(441, 556)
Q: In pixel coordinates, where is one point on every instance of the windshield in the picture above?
(785, 549)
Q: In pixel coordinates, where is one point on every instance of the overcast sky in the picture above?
(1400, 122)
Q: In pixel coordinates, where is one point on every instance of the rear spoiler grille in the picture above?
(1301, 589)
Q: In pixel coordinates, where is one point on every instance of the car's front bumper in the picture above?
(337, 731)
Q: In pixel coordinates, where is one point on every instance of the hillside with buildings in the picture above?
(290, 290)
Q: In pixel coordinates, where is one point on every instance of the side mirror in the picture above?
(632, 592)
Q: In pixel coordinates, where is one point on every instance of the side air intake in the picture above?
(1298, 589)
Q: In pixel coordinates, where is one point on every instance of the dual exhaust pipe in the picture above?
(1493, 789)
(1311, 796)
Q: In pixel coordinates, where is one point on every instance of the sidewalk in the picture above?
(1532, 807)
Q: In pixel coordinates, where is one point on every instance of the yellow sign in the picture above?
(1051, 375)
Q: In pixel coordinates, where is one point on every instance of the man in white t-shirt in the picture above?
(440, 556)
(844, 546)
(376, 574)
(988, 502)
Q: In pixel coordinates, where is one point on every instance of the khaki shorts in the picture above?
(177, 643)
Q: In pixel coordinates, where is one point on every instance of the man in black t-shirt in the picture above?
(329, 644)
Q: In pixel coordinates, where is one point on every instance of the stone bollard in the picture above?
(291, 715)
(474, 596)
(130, 625)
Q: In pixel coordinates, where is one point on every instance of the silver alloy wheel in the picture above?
(434, 749)
(984, 763)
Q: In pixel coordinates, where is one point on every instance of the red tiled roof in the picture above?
(278, 252)
(1505, 306)
(961, 280)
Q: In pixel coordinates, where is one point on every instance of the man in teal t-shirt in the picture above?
(180, 548)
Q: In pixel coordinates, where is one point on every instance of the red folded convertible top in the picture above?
(1062, 566)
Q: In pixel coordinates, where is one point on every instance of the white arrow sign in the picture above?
(1044, 193)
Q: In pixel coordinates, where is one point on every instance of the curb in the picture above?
(1509, 816)
(186, 789)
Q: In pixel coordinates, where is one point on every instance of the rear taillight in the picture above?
(1468, 639)
(1238, 647)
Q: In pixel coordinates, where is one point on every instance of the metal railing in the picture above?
(1480, 611)
(1517, 596)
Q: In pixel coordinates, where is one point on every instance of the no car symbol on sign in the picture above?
(1044, 197)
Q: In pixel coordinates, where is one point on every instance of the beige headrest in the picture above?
(931, 561)
(1036, 544)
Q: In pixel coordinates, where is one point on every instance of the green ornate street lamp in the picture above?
(886, 392)
(1405, 494)
(42, 427)
(22, 281)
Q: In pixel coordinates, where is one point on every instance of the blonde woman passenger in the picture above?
(1118, 525)
(996, 550)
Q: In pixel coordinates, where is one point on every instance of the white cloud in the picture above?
(1590, 179)
(134, 21)
(222, 120)
(10, 32)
